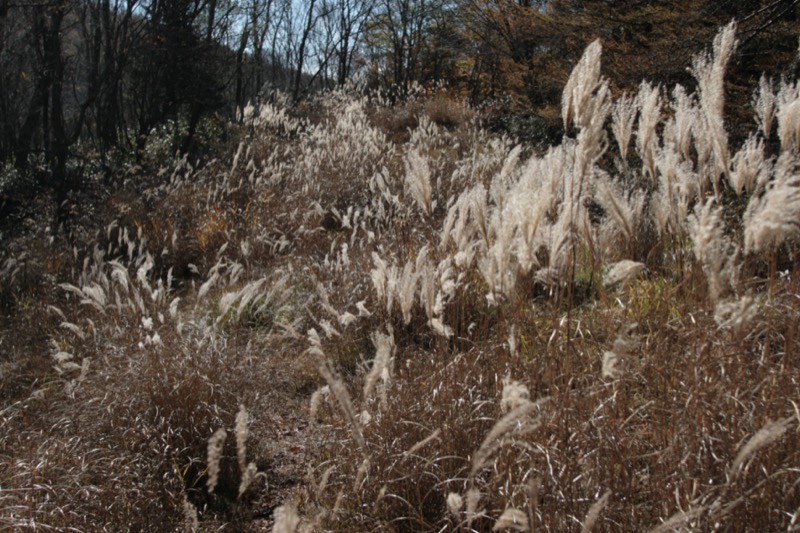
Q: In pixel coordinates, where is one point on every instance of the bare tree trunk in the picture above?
(301, 52)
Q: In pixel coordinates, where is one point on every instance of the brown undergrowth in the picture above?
(385, 318)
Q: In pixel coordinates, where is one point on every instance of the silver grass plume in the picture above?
(215, 445)
(621, 272)
(466, 218)
(323, 482)
(679, 129)
(361, 474)
(418, 181)
(626, 212)
(191, 522)
(712, 248)
(677, 187)
(748, 166)
(515, 394)
(677, 521)
(736, 314)
(764, 105)
(242, 433)
(381, 280)
(649, 102)
(496, 266)
(478, 214)
(619, 359)
(381, 365)
(580, 88)
(594, 512)
(421, 444)
(769, 433)
(530, 200)
(249, 474)
(427, 291)
(510, 163)
(406, 289)
(455, 503)
(789, 116)
(774, 217)
(512, 520)
(473, 499)
(286, 519)
(709, 71)
(320, 395)
(519, 421)
(623, 117)
(338, 389)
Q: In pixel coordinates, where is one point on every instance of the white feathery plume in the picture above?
(381, 364)
(421, 444)
(515, 394)
(347, 318)
(625, 213)
(286, 519)
(512, 520)
(328, 329)
(191, 521)
(678, 185)
(337, 388)
(215, 445)
(362, 309)
(649, 102)
(774, 217)
(249, 474)
(362, 472)
(450, 221)
(242, 433)
(427, 291)
(709, 71)
(380, 279)
(581, 86)
(206, 286)
(623, 117)
(440, 328)
(771, 432)
(622, 271)
(748, 166)
(711, 247)
(594, 512)
(74, 328)
(518, 420)
(510, 163)
(789, 116)
(320, 395)
(619, 359)
(679, 128)
(738, 313)
(418, 180)
(473, 499)
(764, 105)
(406, 289)
(455, 503)
(528, 208)
(496, 267)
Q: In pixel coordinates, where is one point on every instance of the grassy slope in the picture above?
(448, 291)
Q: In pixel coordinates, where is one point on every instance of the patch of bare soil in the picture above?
(283, 443)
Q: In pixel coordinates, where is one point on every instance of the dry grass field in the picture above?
(375, 317)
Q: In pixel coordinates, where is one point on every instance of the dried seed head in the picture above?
(454, 503)
(215, 445)
(512, 520)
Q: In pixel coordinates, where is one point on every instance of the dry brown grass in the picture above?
(448, 289)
